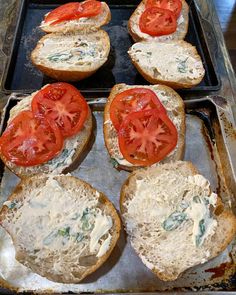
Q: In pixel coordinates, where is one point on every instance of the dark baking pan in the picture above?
(22, 76)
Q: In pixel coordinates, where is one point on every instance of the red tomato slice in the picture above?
(30, 140)
(133, 100)
(173, 5)
(90, 8)
(146, 137)
(73, 10)
(64, 104)
(157, 21)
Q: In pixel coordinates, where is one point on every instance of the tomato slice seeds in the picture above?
(146, 137)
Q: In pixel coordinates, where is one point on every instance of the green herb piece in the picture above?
(12, 205)
(79, 237)
(64, 232)
(115, 164)
(182, 67)
(85, 220)
(202, 230)
(59, 57)
(174, 220)
(196, 199)
(149, 53)
(48, 239)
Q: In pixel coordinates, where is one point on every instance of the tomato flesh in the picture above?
(146, 137)
(30, 140)
(64, 104)
(133, 100)
(157, 21)
(73, 10)
(173, 5)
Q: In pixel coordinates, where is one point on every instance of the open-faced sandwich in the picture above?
(174, 63)
(47, 131)
(144, 125)
(159, 20)
(75, 16)
(62, 228)
(173, 218)
(73, 56)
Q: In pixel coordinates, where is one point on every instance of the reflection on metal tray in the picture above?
(22, 76)
(124, 271)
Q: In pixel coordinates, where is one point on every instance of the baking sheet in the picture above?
(124, 271)
(22, 76)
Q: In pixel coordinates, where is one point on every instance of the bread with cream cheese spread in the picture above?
(175, 110)
(92, 22)
(73, 56)
(65, 161)
(173, 219)
(174, 63)
(62, 228)
(179, 34)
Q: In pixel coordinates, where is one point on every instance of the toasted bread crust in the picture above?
(224, 215)
(178, 84)
(67, 26)
(65, 181)
(23, 172)
(72, 74)
(175, 36)
(106, 128)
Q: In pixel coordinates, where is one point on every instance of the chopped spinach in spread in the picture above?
(201, 232)
(59, 57)
(182, 67)
(174, 220)
(79, 237)
(64, 232)
(86, 225)
(115, 164)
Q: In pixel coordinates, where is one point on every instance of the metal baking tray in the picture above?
(21, 76)
(124, 272)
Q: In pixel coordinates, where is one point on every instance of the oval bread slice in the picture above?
(179, 34)
(73, 56)
(175, 110)
(173, 63)
(62, 228)
(93, 22)
(65, 161)
(173, 219)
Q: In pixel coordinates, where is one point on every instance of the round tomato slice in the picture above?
(147, 137)
(30, 140)
(157, 21)
(133, 100)
(173, 5)
(64, 104)
(73, 10)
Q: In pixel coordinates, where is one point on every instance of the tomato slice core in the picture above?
(30, 140)
(146, 137)
(64, 104)
(174, 6)
(73, 10)
(157, 21)
(133, 100)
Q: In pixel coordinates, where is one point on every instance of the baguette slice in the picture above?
(168, 246)
(62, 228)
(73, 147)
(174, 63)
(179, 34)
(175, 110)
(94, 22)
(73, 56)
